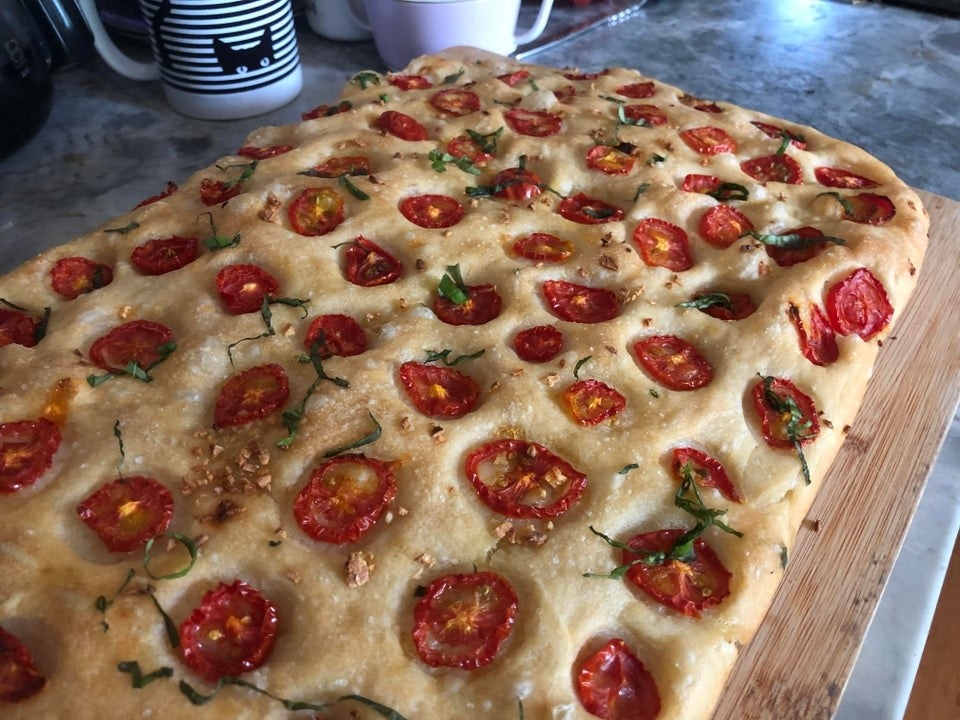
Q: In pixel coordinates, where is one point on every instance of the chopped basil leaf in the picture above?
(580, 363)
(714, 299)
(139, 680)
(450, 79)
(291, 418)
(102, 603)
(382, 710)
(783, 557)
(654, 392)
(188, 544)
(170, 627)
(452, 286)
(444, 357)
(792, 241)
(365, 440)
(440, 160)
(488, 142)
(729, 191)
(359, 194)
(844, 203)
(365, 79)
(627, 468)
(119, 437)
(656, 158)
(130, 226)
(624, 120)
(245, 174)
(133, 368)
(641, 189)
(217, 241)
(797, 424)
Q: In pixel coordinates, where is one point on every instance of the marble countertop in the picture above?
(884, 77)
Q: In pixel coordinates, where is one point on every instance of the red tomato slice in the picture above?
(774, 168)
(786, 257)
(580, 303)
(522, 479)
(535, 123)
(344, 498)
(231, 633)
(368, 265)
(614, 684)
(401, 126)
(663, 244)
(673, 362)
(725, 305)
(609, 160)
(818, 342)
(439, 392)
(483, 305)
(858, 305)
(687, 586)
(322, 111)
(708, 140)
(645, 115)
(71, 277)
(840, 178)
(704, 184)
(18, 328)
(869, 209)
(538, 344)
(515, 78)
(586, 210)
(244, 287)
(335, 334)
(128, 512)
(705, 470)
(462, 620)
(455, 102)
(778, 133)
(251, 395)
(723, 225)
(637, 90)
(591, 402)
(217, 192)
(343, 165)
(27, 448)
(432, 211)
(543, 247)
(262, 153)
(788, 406)
(516, 184)
(410, 82)
(167, 192)
(138, 341)
(163, 255)
(464, 146)
(19, 677)
(316, 211)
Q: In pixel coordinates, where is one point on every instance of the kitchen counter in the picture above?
(884, 77)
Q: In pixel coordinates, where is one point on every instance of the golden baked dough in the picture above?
(345, 612)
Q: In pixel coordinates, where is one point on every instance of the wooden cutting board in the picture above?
(803, 653)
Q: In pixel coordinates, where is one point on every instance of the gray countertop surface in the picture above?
(884, 77)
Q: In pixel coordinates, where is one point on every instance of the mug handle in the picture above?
(538, 26)
(110, 53)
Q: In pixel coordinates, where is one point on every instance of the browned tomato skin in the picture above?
(483, 305)
(439, 392)
(368, 265)
(335, 334)
(111, 510)
(432, 211)
(673, 362)
(163, 255)
(614, 684)
(71, 277)
(19, 677)
(858, 305)
(27, 448)
(772, 423)
(402, 126)
(580, 303)
(316, 211)
(591, 402)
(251, 395)
(18, 328)
(138, 341)
(663, 244)
(706, 470)
(538, 344)
(244, 287)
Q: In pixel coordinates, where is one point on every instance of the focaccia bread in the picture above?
(482, 393)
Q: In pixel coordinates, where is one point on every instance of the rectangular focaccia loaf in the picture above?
(478, 393)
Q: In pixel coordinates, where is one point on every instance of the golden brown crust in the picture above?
(346, 610)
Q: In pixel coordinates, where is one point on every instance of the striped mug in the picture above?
(217, 59)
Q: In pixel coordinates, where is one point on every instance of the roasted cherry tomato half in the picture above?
(344, 498)
(464, 146)
(455, 102)
(689, 585)
(788, 416)
(71, 277)
(586, 210)
(779, 133)
(410, 82)
(538, 344)
(482, 305)
(167, 192)
(335, 334)
(818, 341)
(869, 209)
(341, 165)
(439, 392)
(18, 328)
(368, 265)
(514, 78)
(535, 123)
(27, 448)
(251, 395)
(217, 192)
(262, 153)
(858, 305)
(786, 257)
(840, 178)
(127, 512)
(645, 115)
(139, 341)
(322, 111)
(580, 303)
(698, 183)
(19, 677)
(517, 184)
(637, 90)
(610, 160)
(705, 470)
(663, 244)
(673, 362)
(614, 684)
(723, 225)
(780, 168)
(163, 255)
(231, 633)
(522, 479)
(402, 126)
(244, 287)
(590, 402)
(543, 247)
(462, 620)
(724, 305)
(316, 211)
(708, 140)
(432, 211)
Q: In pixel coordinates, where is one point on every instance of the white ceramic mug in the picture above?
(333, 20)
(405, 29)
(218, 59)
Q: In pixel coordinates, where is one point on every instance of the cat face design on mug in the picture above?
(239, 61)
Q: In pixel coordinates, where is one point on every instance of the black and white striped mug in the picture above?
(217, 59)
